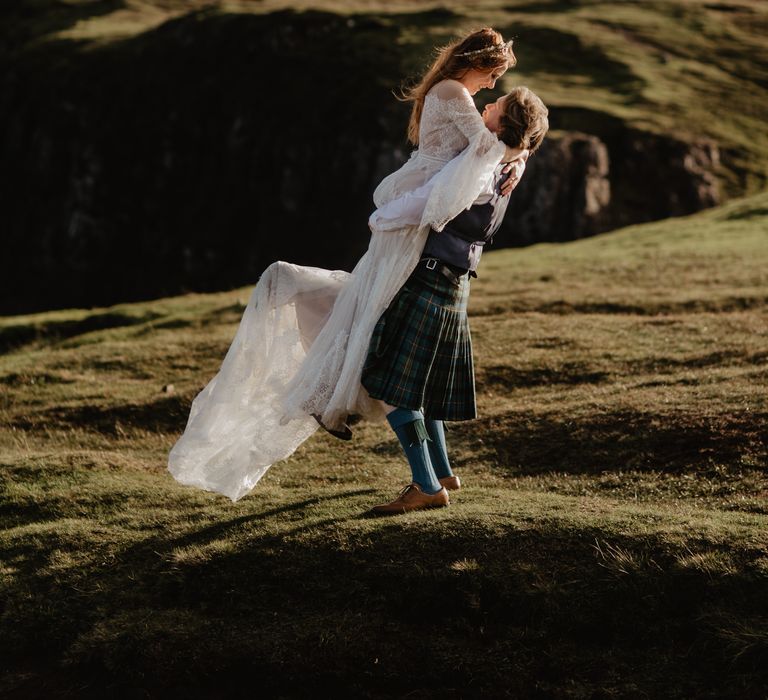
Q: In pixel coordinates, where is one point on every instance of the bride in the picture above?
(297, 358)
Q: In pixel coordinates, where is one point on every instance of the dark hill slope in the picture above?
(147, 151)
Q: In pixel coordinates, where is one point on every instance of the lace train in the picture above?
(236, 427)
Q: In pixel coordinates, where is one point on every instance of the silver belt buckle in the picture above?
(431, 264)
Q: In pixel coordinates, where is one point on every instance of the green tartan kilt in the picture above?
(420, 356)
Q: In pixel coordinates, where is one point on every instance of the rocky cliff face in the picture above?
(578, 184)
(565, 193)
(192, 156)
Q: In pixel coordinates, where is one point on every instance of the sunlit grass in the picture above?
(615, 496)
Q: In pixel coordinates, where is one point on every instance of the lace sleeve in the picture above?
(460, 182)
(405, 210)
(405, 179)
(471, 172)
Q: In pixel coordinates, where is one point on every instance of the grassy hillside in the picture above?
(611, 539)
(690, 69)
(155, 146)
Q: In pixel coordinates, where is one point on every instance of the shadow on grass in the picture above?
(564, 307)
(16, 379)
(500, 377)
(15, 336)
(525, 444)
(163, 415)
(22, 24)
(225, 314)
(722, 358)
(505, 377)
(747, 214)
(206, 534)
(406, 606)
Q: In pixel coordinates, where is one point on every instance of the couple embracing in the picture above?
(390, 339)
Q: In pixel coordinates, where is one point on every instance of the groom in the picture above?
(520, 120)
(461, 242)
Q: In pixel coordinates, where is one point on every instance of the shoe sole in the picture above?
(384, 513)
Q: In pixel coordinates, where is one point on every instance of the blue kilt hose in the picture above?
(420, 355)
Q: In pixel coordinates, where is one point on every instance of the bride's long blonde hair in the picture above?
(483, 50)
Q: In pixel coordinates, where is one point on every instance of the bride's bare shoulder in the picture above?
(448, 89)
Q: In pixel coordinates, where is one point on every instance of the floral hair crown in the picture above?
(493, 48)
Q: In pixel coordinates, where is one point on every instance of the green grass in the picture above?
(610, 541)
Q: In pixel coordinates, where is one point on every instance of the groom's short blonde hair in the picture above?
(524, 119)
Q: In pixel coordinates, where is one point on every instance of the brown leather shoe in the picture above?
(452, 483)
(412, 498)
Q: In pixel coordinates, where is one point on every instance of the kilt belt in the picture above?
(448, 271)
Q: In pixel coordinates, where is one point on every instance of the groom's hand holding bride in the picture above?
(515, 168)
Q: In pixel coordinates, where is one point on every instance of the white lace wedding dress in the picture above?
(304, 335)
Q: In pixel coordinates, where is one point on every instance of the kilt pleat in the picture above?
(420, 355)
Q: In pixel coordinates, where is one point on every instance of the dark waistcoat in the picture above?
(461, 242)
